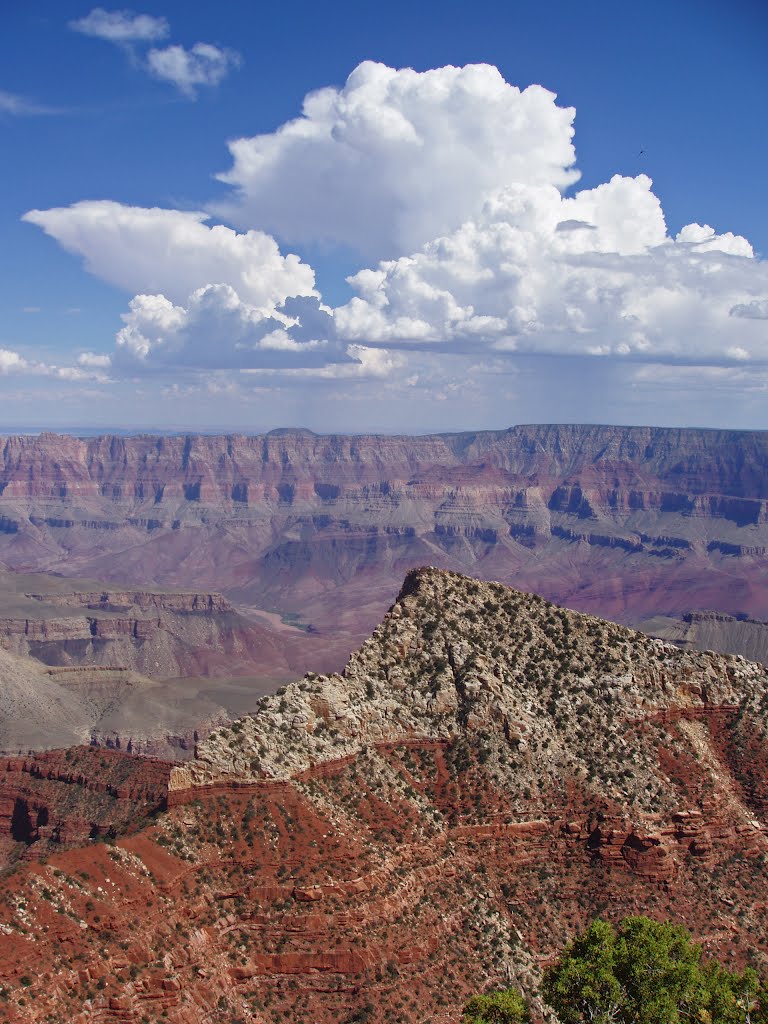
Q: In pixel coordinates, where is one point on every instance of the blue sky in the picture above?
(627, 322)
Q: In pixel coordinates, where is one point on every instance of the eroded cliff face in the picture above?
(148, 671)
(69, 797)
(624, 522)
(488, 773)
(159, 634)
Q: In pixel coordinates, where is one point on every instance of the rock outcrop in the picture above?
(69, 797)
(487, 774)
(455, 656)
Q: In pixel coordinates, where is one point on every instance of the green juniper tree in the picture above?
(507, 1007)
(648, 972)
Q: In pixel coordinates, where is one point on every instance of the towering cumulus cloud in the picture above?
(395, 158)
(457, 191)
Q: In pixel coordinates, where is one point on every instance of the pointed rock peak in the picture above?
(542, 690)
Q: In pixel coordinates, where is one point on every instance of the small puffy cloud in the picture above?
(737, 353)
(395, 158)
(173, 252)
(705, 239)
(188, 69)
(94, 360)
(595, 275)
(121, 26)
(14, 364)
(216, 330)
(202, 65)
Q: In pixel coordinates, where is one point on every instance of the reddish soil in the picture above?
(318, 900)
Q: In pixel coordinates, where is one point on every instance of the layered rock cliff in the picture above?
(148, 671)
(627, 522)
(69, 797)
(148, 633)
(713, 631)
(488, 773)
(163, 634)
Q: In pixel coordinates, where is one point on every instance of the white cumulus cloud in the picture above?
(188, 69)
(121, 26)
(595, 275)
(11, 362)
(395, 158)
(14, 364)
(216, 330)
(173, 252)
(458, 184)
(203, 64)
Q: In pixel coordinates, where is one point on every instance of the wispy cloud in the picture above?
(21, 106)
(121, 26)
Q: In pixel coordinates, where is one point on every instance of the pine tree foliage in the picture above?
(649, 972)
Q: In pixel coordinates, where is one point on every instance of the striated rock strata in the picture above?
(68, 797)
(142, 670)
(488, 773)
(159, 634)
(626, 522)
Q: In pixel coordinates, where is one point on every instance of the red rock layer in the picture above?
(384, 887)
(62, 797)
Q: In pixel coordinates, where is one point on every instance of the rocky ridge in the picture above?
(544, 685)
(489, 773)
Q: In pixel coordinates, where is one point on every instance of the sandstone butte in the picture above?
(488, 773)
(623, 522)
